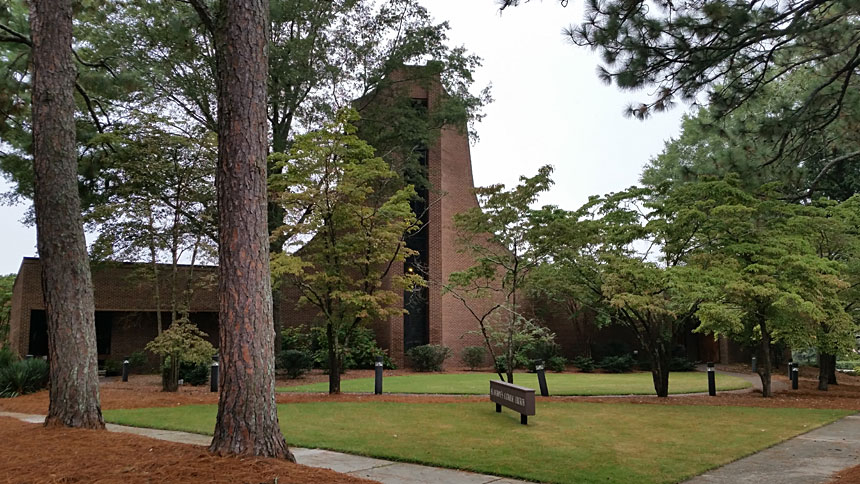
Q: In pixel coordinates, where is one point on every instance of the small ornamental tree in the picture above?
(356, 214)
(496, 236)
(182, 342)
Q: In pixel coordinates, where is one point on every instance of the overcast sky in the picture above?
(549, 108)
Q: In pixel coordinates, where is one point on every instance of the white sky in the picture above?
(550, 108)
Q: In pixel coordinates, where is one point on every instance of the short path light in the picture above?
(377, 387)
(125, 366)
(712, 380)
(213, 376)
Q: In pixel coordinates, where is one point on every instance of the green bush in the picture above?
(295, 362)
(473, 356)
(617, 364)
(361, 352)
(22, 377)
(138, 360)
(296, 338)
(556, 364)
(7, 357)
(584, 363)
(112, 368)
(428, 357)
(681, 363)
(520, 361)
(193, 374)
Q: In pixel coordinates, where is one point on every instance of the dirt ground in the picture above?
(33, 454)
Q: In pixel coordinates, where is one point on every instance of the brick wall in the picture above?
(121, 288)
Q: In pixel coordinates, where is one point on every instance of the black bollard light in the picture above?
(790, 366)
(754, 364)
(541, 374)
(213, 376)
(712, 380)
(28, 357)
(125, 365)
(795, 373)
(377, 387)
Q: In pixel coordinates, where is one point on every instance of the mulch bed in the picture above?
(34, 454)
(847, 476)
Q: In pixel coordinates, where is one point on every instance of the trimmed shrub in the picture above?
(7, 357)
(428, 357)
(193, 374)
(474, 356)
(295, 362)
(296, 338)
(680, 363)
(360, 354)
(520, 361)
(112, 368)
(22, 377)
(617, 364)
(584, 363)
(556, 364)
(138, 360)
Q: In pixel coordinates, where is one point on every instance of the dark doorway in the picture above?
(38, 333)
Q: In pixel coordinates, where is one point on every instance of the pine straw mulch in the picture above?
(847, 476)
(33, 454)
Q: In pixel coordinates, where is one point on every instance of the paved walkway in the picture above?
(810, 458)
(384, 471)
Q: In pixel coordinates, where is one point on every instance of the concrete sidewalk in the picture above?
(810, 458)
(384, 471)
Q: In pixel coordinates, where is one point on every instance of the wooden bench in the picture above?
(517, 398)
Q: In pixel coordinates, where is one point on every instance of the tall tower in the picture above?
(435, 318)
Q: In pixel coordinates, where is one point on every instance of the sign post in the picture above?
(517, 398)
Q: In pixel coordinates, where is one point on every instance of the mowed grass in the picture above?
(557, 383)
(565, 442)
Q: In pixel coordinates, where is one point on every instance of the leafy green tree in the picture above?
(776, 287)
(496, 236)
(182, 342)
(161, 210)
(357, 213)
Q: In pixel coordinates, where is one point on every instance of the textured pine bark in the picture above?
(247, 415)
(66, 278)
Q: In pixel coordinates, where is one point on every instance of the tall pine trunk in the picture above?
(66, 278)
(247, 420)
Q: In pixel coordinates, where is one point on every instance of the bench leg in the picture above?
(524, 419)
(498, 408)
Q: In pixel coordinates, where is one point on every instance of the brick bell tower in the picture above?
(434, 318)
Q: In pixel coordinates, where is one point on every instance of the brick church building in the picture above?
(126, 304)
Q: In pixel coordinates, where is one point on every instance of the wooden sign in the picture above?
(517, 398)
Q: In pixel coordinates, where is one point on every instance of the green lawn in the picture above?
(558, 383)
(564, 442)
